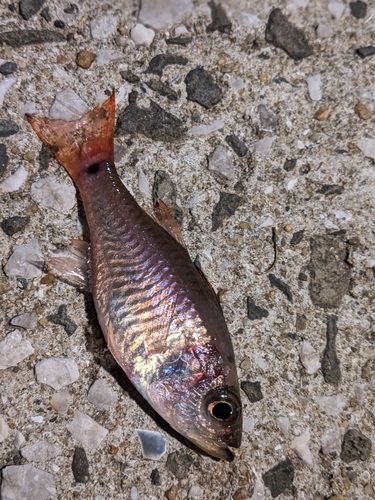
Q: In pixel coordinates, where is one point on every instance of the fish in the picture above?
(159, 315)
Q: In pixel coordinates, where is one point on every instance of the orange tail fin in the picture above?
(81, 143)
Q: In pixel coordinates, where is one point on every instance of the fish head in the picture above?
(205, 410)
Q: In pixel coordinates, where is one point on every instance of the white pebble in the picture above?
(134, 495)
(237, 83)
(309, 358)
(56, 372)
(67, 106)
(366, 145)
(26, 320)
(300, 448)
(366, 97)
(14, 181)
(60, 401)
(263, 146)
(142, 35)
(162, 14)
(101, 395)
(268, 190)
(340, 214)
(195, 491)
(14, 349)
(220, 163)
(19, 440)
(50, 193)
(181, 30)
(40, 451)
(106, 56)
(249, 21)
(248, 424)
(153, 444)
(4, 87)
(292, 184)
(258, 491)
(314, 85)
(259, 360)
(4, 430)
(143, 184)
(85, 430)
(331, 405)
(207, 129)
(331, 441)
(103, 27)
(336, 9)
(300, 144)
(284, 424)
(359, 393)
(27, 483)
(324, 31)
(38, 419)
(60, 74)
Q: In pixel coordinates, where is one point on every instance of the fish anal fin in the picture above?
(162, 215)
(71, 265)
(81, 143)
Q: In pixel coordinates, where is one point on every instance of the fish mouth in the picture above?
(222, 454)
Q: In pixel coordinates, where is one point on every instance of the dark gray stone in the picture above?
(20, 38)
(252, 390)
(154, 122)
(14, 224)
(330, 273)
(159, 62)
(46, 15)
(165, 190)
(28, 8)
(8, 68)
(179, 463)
(282, 286)
(44, 157)
(355, 446)
(163, 89)
(330, 362)
(4, 159)
(279, 478)
(301, 322)
(331, 189)
(297, 237)
(61, 318)
(59, 24)
(290, 165)
(302, 277)
(255, 312)
(366, 51)
(8, 127)
(226, 207)
(179, 40)
(267, 119)
(358, 9)
(80, 466)
(129, 76)
(285, 36)
(220, 21)
(155, 477)
(237, 145)
(201, 88)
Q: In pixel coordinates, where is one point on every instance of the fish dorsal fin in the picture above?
(71, 264)
(162, 215)
(209, 286)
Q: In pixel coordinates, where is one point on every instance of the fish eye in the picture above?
(221, 410)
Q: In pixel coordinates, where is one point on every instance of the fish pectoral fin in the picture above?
(209, 286)
(162, 215)
(72, 264)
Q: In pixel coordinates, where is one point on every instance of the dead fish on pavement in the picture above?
(160, 317)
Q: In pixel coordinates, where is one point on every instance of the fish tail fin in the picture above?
(79, 144)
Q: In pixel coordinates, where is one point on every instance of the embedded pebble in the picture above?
(26, 261)
(355, 446)
(248, 424)
(358, 9)
(359, 393)
(284, 424)
(56, 372)
(143, 184)
(80, 466)
(322, 113)
(101, 395)
(237, 145)
(331, 405)
(61, 318)
(314, 83)
(252, 390)
(26, 320)
(4, 87)
(324, 31)
(331, 189)
(201, 88)
(292, 184)
(362, 111)
(330, 362)
(26, 482)
(195, 491)
(336, 9)
(300, 447)
(282, 286)
(8, 128)
(220, 21)
(134, 495)
(162, 14)
(263, 146)
(142, 35)
(29, 8)
(4, 159)
(163, 89)
(103, 27)
(283, 35)
(67, 105)
(85, 430)
(366, 51)
(225, 207)
(165, 189)
(249, 21)
(85, 58)
(14, 224)
(331, 441)
(14, 181)
(50, 193)
(206, 129)
(367, 146)
(258, 490)
(153, 444)
(40, 451)
(20, 38)
(19, 440)
(106, 56)
(158, 63)
(60, 401)
(4, 429)
(179, 464)
(221, 164)
(279, 478)
(309, 358)
(14, 349)
(267, 118)
(297, 238)
(8, 68)
(255, 312)
(45, 14)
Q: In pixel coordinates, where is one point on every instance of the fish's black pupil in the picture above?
(222, 410)
(93, 169)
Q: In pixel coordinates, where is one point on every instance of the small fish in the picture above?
(160, 317)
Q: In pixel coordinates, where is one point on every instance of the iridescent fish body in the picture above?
(160, 317)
